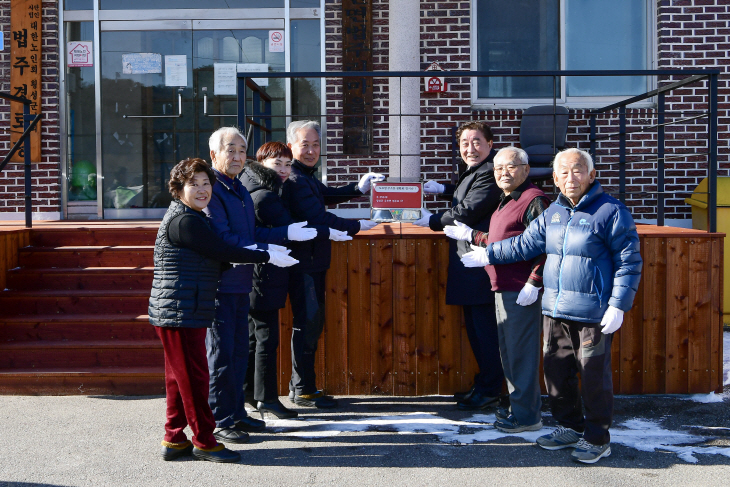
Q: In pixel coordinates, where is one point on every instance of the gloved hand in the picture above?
(528, 295)
(477, 258)
(425, 217)
(458, 232)
(367, 225)
(366, 180)
(612, 320)
(433, 187)
(297, 232)
(253, 247)
(339, 235)
(279, 248)
(280, 259)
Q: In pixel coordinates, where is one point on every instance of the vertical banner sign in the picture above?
(25, 71)
(357, 55)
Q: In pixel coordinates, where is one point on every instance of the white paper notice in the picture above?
(141, 63)
(276, 41)
(224, 75)
(255, 68)
(79, 54)
(176, 70)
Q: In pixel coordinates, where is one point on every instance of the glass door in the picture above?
(165, 87)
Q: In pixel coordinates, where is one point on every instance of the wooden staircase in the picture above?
(74, 314)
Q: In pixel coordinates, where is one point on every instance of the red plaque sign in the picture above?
(387, 195)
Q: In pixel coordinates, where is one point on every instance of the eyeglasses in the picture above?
(508, 168)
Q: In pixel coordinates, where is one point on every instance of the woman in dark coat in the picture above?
(475, 197)
(188, 258)
(267, 182)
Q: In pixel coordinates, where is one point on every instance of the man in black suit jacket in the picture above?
(308, 197)
(475, 198)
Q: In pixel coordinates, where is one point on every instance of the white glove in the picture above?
(253, 247)
(296, 231)
(279, 248)
(433, 187)
(425, 217)
(612, 320)
(458, 232)
(366, 180)
(280, 259)
(367, 225)
(339, 235)
(528, 295)
(477, 258)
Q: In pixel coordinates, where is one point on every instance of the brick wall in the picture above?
(46, 172)
(690, 34)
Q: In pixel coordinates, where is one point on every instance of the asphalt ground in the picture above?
(115, 440)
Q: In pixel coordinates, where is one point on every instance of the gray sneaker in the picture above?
(561, 438)
(589, 453)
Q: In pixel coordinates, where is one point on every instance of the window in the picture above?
(547, 35)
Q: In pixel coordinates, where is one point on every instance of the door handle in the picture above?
(205, 109)
(179, 111)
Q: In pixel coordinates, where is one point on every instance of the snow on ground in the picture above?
(640, 434)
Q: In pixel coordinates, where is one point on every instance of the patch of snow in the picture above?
(705, 398)
(640, 434)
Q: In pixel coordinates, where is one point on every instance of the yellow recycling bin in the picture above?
(699, 204)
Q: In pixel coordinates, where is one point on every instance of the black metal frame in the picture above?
(29, 123)
(695, 75)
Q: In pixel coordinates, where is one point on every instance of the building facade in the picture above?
(157, 80)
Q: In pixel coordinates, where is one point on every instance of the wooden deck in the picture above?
(388, 330)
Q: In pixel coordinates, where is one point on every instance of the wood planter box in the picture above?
(388, 330)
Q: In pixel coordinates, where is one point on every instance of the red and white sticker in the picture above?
(276, 41)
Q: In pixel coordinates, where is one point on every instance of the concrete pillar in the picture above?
(404, 94)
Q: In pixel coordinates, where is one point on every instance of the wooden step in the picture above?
(69, 327)
(128, 381)
(86, 256)
(80, 278)
(58, 237)
(74, 302)
(73, 354)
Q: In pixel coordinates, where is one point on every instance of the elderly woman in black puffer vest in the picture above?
(268, 181)
(188, 261)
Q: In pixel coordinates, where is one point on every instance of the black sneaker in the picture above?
(231, 434)
(315, 400)
(502, 414)
(250, 425)
(173, 451)
(478, 401)
(219, 454)
(277, 409)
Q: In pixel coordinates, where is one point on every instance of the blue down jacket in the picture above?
(593, 258)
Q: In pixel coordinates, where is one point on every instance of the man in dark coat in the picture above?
(308, 197)
(231, 212)
(475, 197)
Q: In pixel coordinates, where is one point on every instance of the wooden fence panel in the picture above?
(654, 278)
(700, 315)
(285, 331)
(426, 317)
(404, 314)
(632, 345)
(716, 319)
(359, 324)
(449, 330)
(677, 317)
(381, 274)
(337, 312)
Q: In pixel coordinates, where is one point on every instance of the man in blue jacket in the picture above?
(231, 213)
(308, 197)
(591, 276)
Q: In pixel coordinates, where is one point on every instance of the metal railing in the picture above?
(29, 123)
(710, 76)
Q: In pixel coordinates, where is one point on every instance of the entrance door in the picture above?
(165, 87)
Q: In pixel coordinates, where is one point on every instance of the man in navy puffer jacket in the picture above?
(591, 276)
